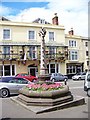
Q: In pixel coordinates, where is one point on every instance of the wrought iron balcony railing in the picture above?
(20, 56)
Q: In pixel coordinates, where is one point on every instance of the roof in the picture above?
(3, 18)
(42, 21)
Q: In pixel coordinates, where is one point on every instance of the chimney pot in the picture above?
(55, 19)
(71, 32)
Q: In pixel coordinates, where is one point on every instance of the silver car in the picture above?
(57, 77)
(79, 76)
(11, 85)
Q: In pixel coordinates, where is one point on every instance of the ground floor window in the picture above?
(71, 69)
(7, 70)
(52, 68)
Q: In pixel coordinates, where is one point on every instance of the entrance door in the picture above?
(32, 71)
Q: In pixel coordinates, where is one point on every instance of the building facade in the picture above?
(20, 48)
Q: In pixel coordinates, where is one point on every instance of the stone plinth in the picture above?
(45, 98)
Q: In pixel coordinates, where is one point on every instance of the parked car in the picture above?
(57, 77)
(26, 76)
(11, 85)
(79, 76)
(87, 83)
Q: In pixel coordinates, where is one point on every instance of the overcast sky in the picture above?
(71, 13)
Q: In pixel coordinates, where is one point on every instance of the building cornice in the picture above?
(73, 36)
(28, 24)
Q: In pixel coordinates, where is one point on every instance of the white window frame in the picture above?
(49, 36)
(10, 69)
(32, 52)
(3, 34)
(72, 43)
(72, 52)
(34, 34)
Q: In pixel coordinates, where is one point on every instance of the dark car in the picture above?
(11, 85)
(57, 77)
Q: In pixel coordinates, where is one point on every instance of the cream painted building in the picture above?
(20, 48)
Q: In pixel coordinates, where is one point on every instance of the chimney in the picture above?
(55, 19)
(71, 32)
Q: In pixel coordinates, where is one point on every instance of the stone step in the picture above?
(44, 101)
(78, 100)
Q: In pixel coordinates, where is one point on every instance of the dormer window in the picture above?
(42, 21)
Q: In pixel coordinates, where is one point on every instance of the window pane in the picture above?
(6, 34)
(7, 70)
(13, 70)
(51, 35)
(1, 71)
(31, 34)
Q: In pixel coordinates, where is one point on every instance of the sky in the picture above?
(71, 13)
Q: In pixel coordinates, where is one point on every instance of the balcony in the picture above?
(25, 56)
(56, 56)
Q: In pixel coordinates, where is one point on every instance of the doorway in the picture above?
(32, 70)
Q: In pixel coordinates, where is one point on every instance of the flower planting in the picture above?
(44, 86)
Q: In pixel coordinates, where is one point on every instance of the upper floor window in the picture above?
(87, 53)
(31, 35)
(87, 63)
(86, 44)
(73, 55)
(6, 51)
(51, 36)
(51, 50)
(32, 52)
(72, 43)
(6, 34)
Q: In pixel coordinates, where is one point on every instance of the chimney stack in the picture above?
(71, 32)
(55, 19)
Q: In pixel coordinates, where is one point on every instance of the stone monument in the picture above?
(43, 65)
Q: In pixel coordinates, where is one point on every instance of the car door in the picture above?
(60, 77)
(21, 82)
(83, 75)
(12, 85)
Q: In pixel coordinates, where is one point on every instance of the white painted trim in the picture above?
(10, 33)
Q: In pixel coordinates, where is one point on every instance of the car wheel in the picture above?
(88, 92)
(53, 80)
(79, 78)
(4, 92)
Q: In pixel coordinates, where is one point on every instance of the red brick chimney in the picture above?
(71, 32)
(55, 19)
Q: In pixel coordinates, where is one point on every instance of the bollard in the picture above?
(65, 81)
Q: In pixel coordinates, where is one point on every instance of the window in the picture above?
(51, 36)
(6, 52)
(7, 70)
(87, 63)
(6, 34)
(71, 69)
(32, 52)
(72, 43)
(86, 44)
(31, 35)
(52, 68)
(52, 52)
(73, 55)
(87, 53)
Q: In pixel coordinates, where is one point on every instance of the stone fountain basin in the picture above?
(45, 94)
